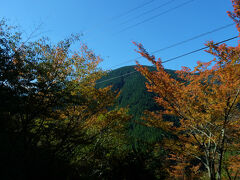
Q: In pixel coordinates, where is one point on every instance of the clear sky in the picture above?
(102, 23)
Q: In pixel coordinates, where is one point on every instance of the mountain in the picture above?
(134, 95)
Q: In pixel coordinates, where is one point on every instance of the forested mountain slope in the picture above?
(134, 95)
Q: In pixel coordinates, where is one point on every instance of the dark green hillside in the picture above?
(133, 94)
(133, 91)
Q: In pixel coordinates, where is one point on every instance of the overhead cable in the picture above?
(149, 11)
(171, 59)
(180, 43)
(134, 9)
(155, 16)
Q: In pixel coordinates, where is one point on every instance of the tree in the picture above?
(206, 102)
(50, 106)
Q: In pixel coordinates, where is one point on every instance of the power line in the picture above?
(155, 16)
(149, 11)
(171, 59)
(195, 37)
(181, 42)
(118, 16)
(199, 49)
(117, 77)
(131, 10)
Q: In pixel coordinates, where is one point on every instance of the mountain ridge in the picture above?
(133, 92)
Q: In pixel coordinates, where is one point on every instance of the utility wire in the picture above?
(155, 16)
(171, 59)
(118, 16)
(131, 10)
(117, 77)
(179, 43)
(199, 49)
(195, 37)
(149, 11)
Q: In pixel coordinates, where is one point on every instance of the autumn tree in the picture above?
(50, 108)
(205, 100)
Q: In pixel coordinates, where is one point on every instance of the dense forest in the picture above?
(133, 93)
(134, 96)
(55, 123)
(63, 117)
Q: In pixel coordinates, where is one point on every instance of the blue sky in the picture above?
(101, 23)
